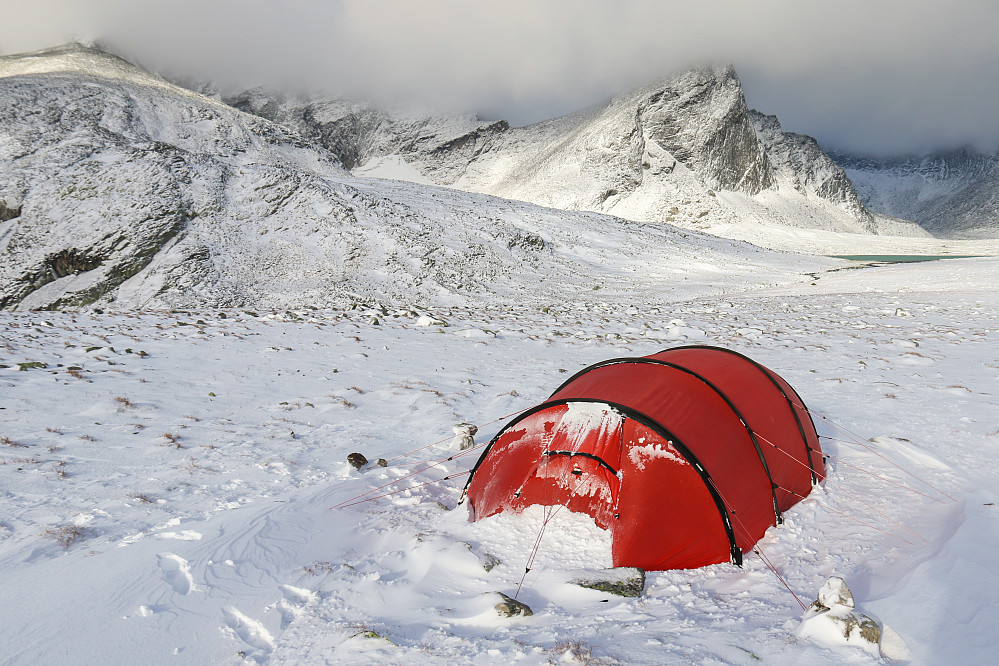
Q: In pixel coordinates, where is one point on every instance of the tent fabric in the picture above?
(686, 456)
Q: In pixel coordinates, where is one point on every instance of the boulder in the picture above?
(622, 581)
(834, 592)
(509, 607)
(356, 460)
(424, 320)
(833, 619)
(490, 562)
(463, 436)
(842, 626)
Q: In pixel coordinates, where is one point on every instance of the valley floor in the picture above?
(833, 243)
(167, 481)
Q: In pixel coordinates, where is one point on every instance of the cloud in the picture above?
(877, 76)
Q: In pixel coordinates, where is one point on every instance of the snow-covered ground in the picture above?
(167, 481)
(833, 243)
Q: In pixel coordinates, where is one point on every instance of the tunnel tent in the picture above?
(686, 456)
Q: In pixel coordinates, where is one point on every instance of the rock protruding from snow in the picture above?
(490, 562)
(834, 592)
(701, 118)
(833, 620)
(510, 607)
(463, 433)
(426, 320)
(622, 581)
(359, 133)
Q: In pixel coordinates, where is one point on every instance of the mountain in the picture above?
(687, 151)
(953, 192)
(119, 189)
(799, 161)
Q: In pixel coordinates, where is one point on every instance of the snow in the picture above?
(641, 454)
(168, 481)
(583, 418)
(392, 167)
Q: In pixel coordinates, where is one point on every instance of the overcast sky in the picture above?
(889, 76)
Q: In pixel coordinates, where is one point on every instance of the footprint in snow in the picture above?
(251, 631)
(176, 572)
(297, 595)
(291, 606)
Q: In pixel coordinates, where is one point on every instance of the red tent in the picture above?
(686, 456)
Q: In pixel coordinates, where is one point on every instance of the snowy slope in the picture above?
(168, 481)
(659, 154)
(121, 190)
(953, 193)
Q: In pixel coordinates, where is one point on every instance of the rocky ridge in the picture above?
(686, 150)
(954, 192)
(799, 159)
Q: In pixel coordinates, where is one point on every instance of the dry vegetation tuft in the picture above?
(66, 535)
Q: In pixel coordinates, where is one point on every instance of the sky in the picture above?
(880, 77)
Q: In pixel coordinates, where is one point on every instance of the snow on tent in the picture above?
(686, 456)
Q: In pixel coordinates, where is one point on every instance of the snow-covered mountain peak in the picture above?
(81, 61)
(700, 116)
(683, 150)
(72, 57)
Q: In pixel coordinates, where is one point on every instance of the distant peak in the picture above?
(706, 71)
(79, 59)
(68, 48)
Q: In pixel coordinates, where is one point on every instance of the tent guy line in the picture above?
(857, 439)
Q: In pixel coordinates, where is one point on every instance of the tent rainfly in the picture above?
(686, 456)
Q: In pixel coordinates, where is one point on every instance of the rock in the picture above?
(425, 320)
(622, 581)
(381, 462)
(841, 625)
(510, 607)
(463, 436)
(7, 212)
(368, 633)
(356, 460)
(834, 592)
(489, 562)
(832, 620)
(800, 160)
